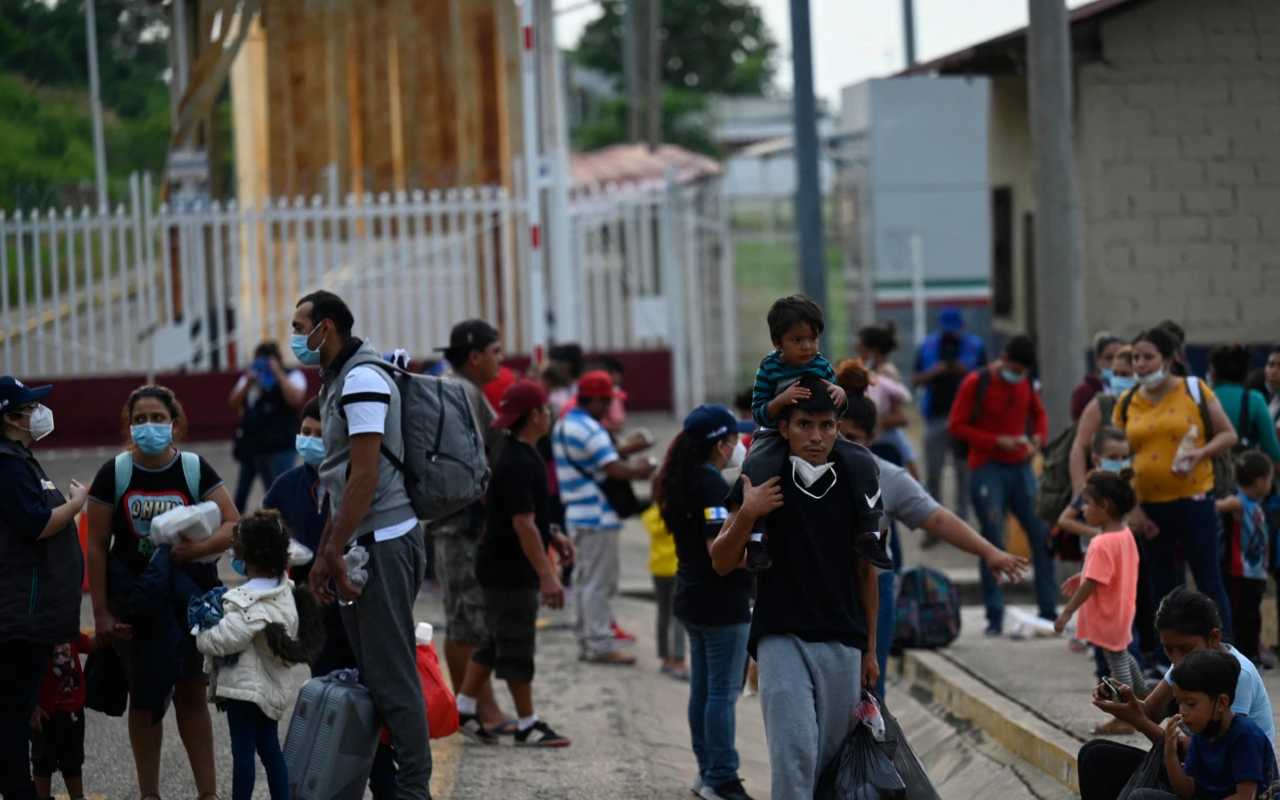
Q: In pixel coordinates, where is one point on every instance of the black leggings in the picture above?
(1104, 768)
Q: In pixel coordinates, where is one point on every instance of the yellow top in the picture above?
(662, 545)
(1154, 431)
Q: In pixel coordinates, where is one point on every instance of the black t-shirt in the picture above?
(702, 596)
(150, 493)
(518, 486)
(811, 590)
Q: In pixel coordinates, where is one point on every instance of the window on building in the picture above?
(1002, 223)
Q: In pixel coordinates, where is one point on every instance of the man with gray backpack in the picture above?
(381, 427)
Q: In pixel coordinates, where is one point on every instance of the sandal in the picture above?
(1114, 727)
(508, 727)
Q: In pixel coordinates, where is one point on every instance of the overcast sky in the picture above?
(858, 39)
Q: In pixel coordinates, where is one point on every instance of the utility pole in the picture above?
(95, 106)
(1059, 295)
(909, 31)
(632, 19)
(564, 305)
(813, 277)
(653, 73)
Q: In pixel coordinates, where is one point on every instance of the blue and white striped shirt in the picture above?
(580, 440)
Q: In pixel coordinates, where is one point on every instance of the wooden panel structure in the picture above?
(387, 95)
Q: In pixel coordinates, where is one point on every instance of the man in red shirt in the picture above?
(998, 414)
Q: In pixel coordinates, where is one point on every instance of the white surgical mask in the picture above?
(806, 474)
(738, 455)
(1152, 379)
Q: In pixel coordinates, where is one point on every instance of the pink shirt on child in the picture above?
(1106, 618)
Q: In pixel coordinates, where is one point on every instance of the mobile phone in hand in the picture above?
(1110, 690)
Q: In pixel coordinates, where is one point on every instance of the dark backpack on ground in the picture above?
(1224, 471)
(928, 610)
(445, 467)
(1053, 494)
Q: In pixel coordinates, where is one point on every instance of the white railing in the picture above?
(137, 290)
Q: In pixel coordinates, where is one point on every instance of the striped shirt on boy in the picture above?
(580, 444)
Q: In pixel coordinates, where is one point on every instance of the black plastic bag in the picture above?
(105, 686)
(861, 770)
(909, 768)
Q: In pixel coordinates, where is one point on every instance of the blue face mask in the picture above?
(1010, 376)
(237, 564)
(311, 448)
(1122, 383)
(1116, 465)
(152, 438)
(1107, 374)
(303, 352)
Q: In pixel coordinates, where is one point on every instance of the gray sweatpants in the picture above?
(595, 582)
(807, 692)
(381, 629)
(938, 447)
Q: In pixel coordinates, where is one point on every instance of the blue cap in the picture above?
(951, 319)
(16, 394)
(710, 422)
(747, 426)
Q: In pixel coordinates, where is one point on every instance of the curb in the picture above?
(1016, 728)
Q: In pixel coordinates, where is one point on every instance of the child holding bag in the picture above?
(1106, 591)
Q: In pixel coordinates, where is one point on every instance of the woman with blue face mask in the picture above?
(152, 476)
(1097, 414)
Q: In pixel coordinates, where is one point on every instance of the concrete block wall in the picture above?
(1179, 159)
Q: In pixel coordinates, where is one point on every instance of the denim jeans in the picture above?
(267, 466)
(885, 623)
(999, 489)
(1190, 535)
(252, 731)
(719, 656)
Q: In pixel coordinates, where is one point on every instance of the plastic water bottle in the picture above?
(356, 558)
(1181, 459)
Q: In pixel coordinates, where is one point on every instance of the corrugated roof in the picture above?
(634, 163)
(978, 57)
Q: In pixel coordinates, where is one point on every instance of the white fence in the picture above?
(138, 290)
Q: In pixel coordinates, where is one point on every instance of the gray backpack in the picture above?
(445, 467)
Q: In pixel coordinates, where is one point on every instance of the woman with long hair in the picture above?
(152, 476)
(715, 610)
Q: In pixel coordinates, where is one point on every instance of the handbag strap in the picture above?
(564, 448)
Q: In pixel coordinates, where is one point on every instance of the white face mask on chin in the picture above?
(738, 455)
(807, 474)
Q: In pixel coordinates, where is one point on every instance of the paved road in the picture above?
(628, 725)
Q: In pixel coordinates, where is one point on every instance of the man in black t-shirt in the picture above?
(514, 571)
(813, 631)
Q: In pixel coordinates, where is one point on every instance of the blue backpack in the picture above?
(928, 610)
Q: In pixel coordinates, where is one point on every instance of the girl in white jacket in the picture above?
(250, 650)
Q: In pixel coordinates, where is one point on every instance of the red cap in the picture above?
(596, 383)
(522, 397)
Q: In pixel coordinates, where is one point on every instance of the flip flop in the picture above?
(509, 727)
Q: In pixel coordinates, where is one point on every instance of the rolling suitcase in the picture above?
(332, 739)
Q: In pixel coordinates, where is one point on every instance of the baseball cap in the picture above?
(16, 394)
(471, 334)
(596, 383)
(951, 319)
(710, 422)
(519, 399)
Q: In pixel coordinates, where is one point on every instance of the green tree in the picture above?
(715, 46)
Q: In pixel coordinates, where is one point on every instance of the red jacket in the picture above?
(63, 686)
(1008, 409)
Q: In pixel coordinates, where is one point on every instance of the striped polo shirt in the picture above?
(581, 445)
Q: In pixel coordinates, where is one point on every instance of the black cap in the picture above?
(472, 334)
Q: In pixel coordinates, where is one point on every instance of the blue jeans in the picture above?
(719, 658)
(1190, 535)
(885, 623)
(267, 466)
(251, 731)
(997, 490)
